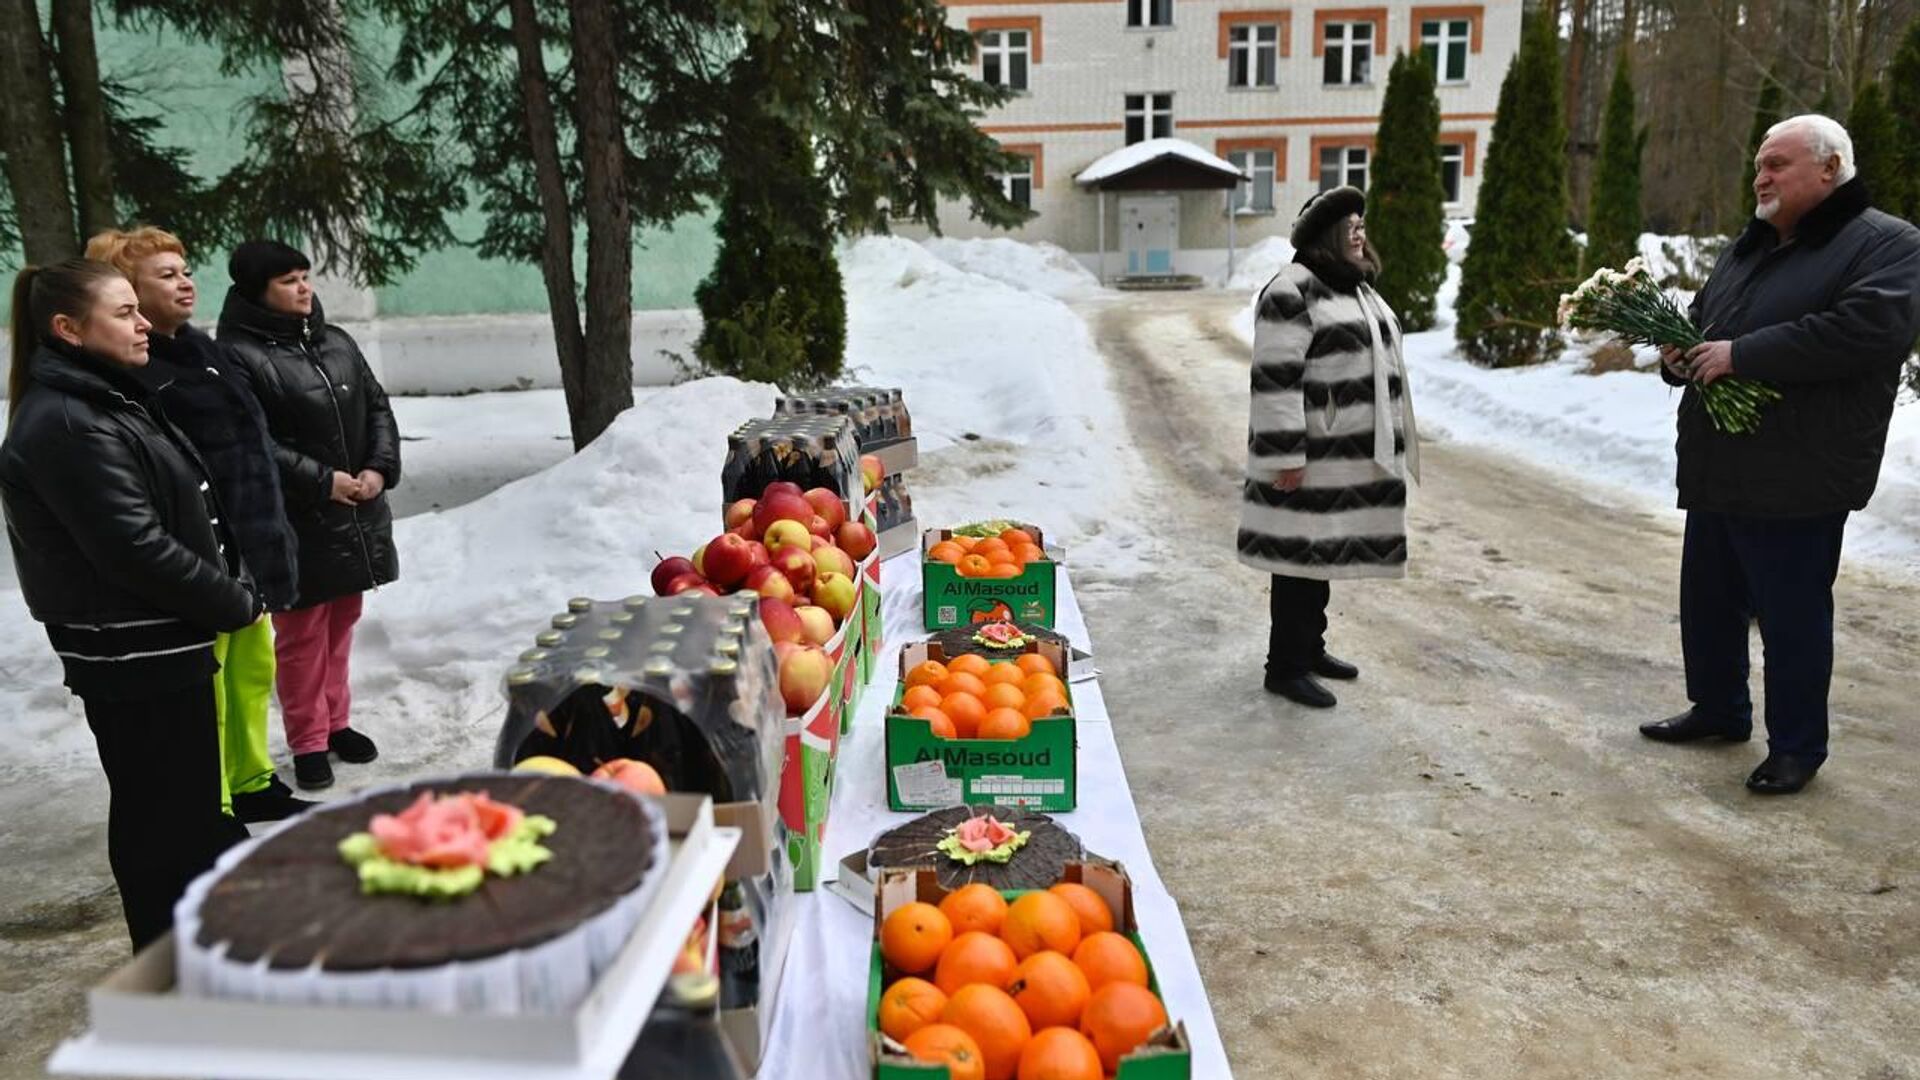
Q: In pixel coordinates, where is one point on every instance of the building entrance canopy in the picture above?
(1150, 227)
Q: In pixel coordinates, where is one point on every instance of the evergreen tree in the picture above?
(1766, 113)
(1903, 99)
(1406, 219)
(1521, 256)
(1613, 216)
(1876, 150)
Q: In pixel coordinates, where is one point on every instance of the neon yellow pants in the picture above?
(242, 690)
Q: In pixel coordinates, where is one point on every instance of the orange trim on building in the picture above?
(1029, 23)
(1322, 142)
(1468, 139)
(1270, 16)
(1275, 143)
(1035, 151)
(1475, 14)
(1375, 15)
(1038, 129)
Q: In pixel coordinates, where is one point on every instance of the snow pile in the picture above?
(1132, 157)
(1038, 267)
(1255, 266)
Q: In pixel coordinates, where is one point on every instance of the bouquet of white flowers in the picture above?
(1628, 304)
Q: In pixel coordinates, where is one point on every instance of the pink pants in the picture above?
(311, 646)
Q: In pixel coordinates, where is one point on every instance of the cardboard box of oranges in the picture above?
(976, 984)
(984, 732)
(1006, 577)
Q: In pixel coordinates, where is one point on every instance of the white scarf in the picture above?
(1387, 362)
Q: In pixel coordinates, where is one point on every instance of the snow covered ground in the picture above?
(1009, 402)
(1613, 429)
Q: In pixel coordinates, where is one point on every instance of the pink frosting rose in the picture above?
(982, 833)
(444, 833)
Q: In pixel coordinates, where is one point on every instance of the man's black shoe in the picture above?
(353, 747)
(1690, 726)
(1302, 690)
(1782, 774)
(1329, 666)
(271, 803)
(312, 771)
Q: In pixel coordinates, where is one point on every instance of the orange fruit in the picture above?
(1002, 696)
(926, 673)
(1118, 1018)
(972, 664)
(923, 695)
(1039, 681)
(1003, 724)
(975, 907)
(913, 937)
(947, 552)
(1106, 958)
(1034, 664)
(975, 957)
(1040, 920)
(909, 1005)
(966, 543)
(966, 712)
(1042, 704)
(1005, 673)
(1027, 553)
(1095, 915)
(1015, 537)
(938, 722)
(1004, 570)
(1060, 1054)
(947, 1045)
(961, 682)
(975, 566)
(1050, 990)
(991, 547)
(996, 1023)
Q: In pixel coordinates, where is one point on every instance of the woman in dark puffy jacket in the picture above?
(338, 451)
(121, 553)
(210, 400)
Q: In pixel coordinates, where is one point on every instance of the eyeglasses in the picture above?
(1356, 228)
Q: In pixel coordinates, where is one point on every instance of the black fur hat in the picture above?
(257, 262)
(1323, 210)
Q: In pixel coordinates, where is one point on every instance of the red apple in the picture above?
(837, 594)
(769, 582)
(798, 565)
(685, 582)
(668, 569)
(828, 504)
(817, 623)
(804, 675)
(739, 512)
(787, 486)
(780, 506)
(785, 534)
(703, 589)
(871, 472)
(759, 553)
(831, 560)
(781, 621)
(632, 775)
(856, 540)
(819, 526)
(728, 558)
(700, 567)
(783, 649)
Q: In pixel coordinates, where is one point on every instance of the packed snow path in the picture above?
(1474, 866)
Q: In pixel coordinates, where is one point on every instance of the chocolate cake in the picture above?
(290, 911)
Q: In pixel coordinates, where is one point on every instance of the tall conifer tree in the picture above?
(1613, 217)
(1405, 216)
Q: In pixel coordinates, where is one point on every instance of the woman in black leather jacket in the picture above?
(338, 451)
(121, 553)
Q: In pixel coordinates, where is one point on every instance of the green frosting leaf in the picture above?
(515, 853)
(959, 853)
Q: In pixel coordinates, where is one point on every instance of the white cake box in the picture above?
(140, 1025)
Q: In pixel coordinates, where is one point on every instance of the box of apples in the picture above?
(982, 731)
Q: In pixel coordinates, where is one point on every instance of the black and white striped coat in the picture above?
(1315, 385)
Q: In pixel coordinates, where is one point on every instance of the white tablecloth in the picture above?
(820, 1030)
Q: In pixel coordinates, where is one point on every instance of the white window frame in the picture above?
(1453, 155)
(1353, 161)
(1442, 35)
(1344, 44)
(1149, 14)
(1000, 47)
(1248, 46)
(1155, 113)
(1246, 194)
(1011, 180)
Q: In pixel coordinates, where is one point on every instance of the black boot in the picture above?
(1692, 726)
(312, 771)
(1302, 690)
(353, 747)
(1329, 666)
(271, 803)
(1782, 774)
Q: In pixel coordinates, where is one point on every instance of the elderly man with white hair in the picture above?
(1817, 298)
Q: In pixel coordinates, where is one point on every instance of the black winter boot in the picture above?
(312, 771)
